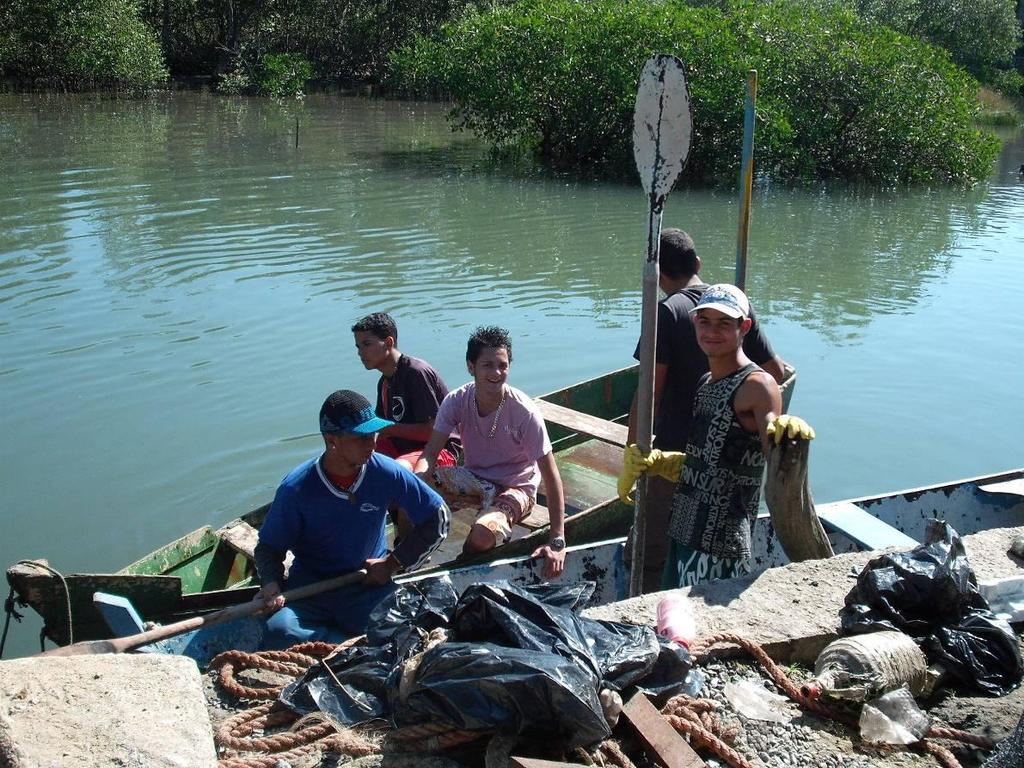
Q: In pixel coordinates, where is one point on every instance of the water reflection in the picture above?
(177, 277)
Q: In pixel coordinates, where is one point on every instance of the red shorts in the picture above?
(385, 446)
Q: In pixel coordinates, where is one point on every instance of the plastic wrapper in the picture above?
(516, 659)
(893, 718)
(751, 699)
(354, 687)
(617, 654)
(418, 605)
(931, 594)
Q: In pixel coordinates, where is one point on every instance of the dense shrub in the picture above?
(345, 40)
(79, 43)
(982, 35)
(276, 74)
(838, 96)
(858, 100)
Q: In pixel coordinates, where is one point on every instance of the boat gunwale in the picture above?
(977, 481)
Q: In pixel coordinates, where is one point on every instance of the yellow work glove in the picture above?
(667, 464)
(792, 427)
(634, 464)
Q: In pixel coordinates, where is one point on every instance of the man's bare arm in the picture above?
(428, 459)
(554, 562)
(757, 403)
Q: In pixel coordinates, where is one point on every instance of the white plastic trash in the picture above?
(753, 700)
(893, 718)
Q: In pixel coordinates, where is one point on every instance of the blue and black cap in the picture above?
(346, 411)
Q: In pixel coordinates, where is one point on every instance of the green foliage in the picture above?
(855, 99)
(980, 34)
(345, 40)
(267, 74)
(80, 44)
(285, 74)
(839, 97)
(1007, 81)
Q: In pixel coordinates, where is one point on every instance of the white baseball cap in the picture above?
(727, 299)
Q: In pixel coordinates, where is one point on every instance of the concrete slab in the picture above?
(793, 611)
(130, 710)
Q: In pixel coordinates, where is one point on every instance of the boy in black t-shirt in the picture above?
(409, 391)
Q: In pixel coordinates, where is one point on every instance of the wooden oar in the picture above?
(249, 608)
(661, 142)
(746, 179)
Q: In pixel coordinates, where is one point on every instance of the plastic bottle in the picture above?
(676, 620)
(893, 718)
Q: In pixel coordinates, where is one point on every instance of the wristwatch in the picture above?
(557, 544)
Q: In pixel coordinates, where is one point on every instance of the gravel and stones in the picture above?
(806, 741)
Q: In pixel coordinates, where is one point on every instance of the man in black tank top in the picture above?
(680, 364)
(736, 411)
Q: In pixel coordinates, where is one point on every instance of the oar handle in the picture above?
(243, 609)
(255, 606)
(248, 608)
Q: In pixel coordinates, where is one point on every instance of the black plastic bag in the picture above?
(931, 594)
(517, 659)
(425, 604)
(484, 687)
(982, 650)
(514, 617)
(352, 685)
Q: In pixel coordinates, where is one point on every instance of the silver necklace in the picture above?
(497, 414)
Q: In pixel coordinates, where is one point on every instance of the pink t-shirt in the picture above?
(509, 458)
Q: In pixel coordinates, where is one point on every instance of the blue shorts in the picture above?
(330, 617)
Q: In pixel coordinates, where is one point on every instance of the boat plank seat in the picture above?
(589, 473)
(537, 518)
(240, 536)
(583, 423)
(862, 527)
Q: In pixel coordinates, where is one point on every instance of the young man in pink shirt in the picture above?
(506, 447)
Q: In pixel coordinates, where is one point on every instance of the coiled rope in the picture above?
(294, 662)
(695, 718)
(305, 736)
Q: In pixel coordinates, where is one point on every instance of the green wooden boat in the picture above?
(212, 568)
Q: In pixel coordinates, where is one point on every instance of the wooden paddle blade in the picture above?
(662, 124)
(85, 648)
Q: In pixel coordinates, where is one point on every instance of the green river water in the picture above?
(178, 276)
